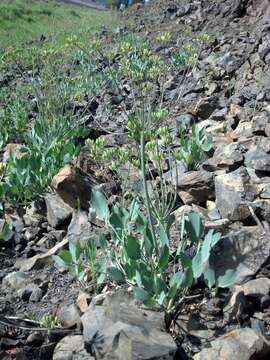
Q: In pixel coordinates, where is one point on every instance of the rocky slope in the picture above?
(228, 92)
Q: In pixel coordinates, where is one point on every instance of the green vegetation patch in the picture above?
(22, 21)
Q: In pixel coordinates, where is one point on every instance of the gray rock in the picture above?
(69, 315)
(71, 348)
(80, 228)
(15, 280)
(120, 330)
(195, 186)
(57, 210)
(259, 123)
(227, 157)
(245, 250)
(40, 260)
(205, 107)
(31, 233)
(265, 192)
(257, 159)
(231, 195)
(31, 293)
(246, 343)
(264, 48)
(35, 213)
(260, 286)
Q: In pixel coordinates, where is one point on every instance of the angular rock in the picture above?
(227, 157)
(57, 210)
(71, 348)
(244, 250)
(15, 280)
(35, 213)
(205, 107)
(257, 159)
(195, 186)
(80, 228)
(259, 123)
(260, 286)
(231, 195)
(74, 186)
(69, 315)
(246, 343)
(38, 261)
(119, 330)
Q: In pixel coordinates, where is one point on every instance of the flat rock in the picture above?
(120, 330)
(246, 343)
(38, 261)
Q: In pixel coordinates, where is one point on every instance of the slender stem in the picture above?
(146, 194)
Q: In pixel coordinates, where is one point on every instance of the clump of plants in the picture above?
(49, 146)
(160, 269)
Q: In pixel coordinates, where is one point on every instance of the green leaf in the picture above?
(138, 279)
(99, 203)
(210, 277)
(101, 278)
(65, 255)
(194, 227)
(164, 258)
(207, 144)
(116, 274)
(186, 261)
(75, 250)
(197, 265)
(141, 294)
(133, 248)
(148, 242)
(103, 242)
(164, 240)
(228, 279)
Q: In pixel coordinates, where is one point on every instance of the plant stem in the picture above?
(145, 189)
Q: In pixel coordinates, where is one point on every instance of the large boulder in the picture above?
(120, 330)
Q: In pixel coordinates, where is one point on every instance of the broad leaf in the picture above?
(228, 279)
(75, 250)
(141, 294)
(148, 242)
(194, 227)
(133, 248)
(65, 255)
(116, 274)
(164, 240)
(164, 258)
(210, 277)
(99, 203)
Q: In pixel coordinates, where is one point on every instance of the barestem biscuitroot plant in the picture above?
(160, 276)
